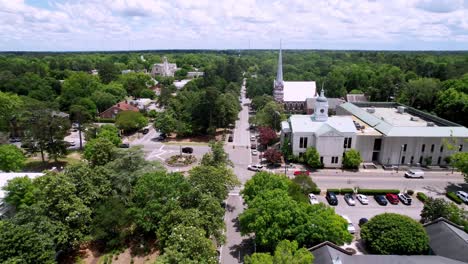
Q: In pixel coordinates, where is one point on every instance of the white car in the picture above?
(313, 199)
(252, 138)
(254, 152)
(414, 173)
(351, 228)
(255, 167)
(463, 195)
(362, 198)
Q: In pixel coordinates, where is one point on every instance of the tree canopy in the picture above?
(394, 234)
(11, 158)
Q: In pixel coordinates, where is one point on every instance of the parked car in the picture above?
(252, 138)
(313, 199)
(14, 140)
(362, 198)
(331, 198)
(349, 199)
(124, 145)
(188, 150)
(363, 221)
(70, 143)
(351, 228)
(253, 146)
(405, 198)
(414, 173)
(254, 152)
(230, 138)
(392, 198)
(255, 167)
(304, 172)
(145, 131)
(463, 196)
(380, 199)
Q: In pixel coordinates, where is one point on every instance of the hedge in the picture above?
(105, 120)
(316, 191)
(364, 191)
(452, 196)
(378, 191)
(422, 197)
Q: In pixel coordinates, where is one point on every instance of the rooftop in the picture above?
(447, 239)
(304, 123)
(298, 91)
(392, 119)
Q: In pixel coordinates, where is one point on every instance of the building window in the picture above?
(321, 160)
(420, 160)
(302, 142)
(423, 147)
(347, 142)
(439, 160)
(442, 148)
(403, 160)
(334, 160)
(405, 146)
(432, 147)
(412, 160)
(460, 148)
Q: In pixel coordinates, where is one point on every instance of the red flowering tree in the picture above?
(267, 136)
(272, 155)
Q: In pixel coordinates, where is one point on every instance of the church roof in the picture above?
(298, 91)
(304, 123)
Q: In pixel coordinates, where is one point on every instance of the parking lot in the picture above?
(368, 211)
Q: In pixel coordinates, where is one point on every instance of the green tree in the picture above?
(217, 156)
(20, 244)
(20, 192)
(215, 181)
(155, 195)
(460, 161)
(312, 157)
(103, 100)
(110, 133)
(10, 106)
(306, 184)
(165, 122)
(285, 253)
(352, 159)
(188, 244)
(130, 121)
(108, 71)
(261, 182)
(394, 234)
(436, 208)
(270, 115)
(99, 151)
(420, 93)
(134, 82)
(11, 158)
(80, 115)
(258, 102)
(92, 184)
(77, 86)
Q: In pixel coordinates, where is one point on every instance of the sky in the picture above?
(54, 25)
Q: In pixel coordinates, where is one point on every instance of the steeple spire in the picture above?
(279, 75)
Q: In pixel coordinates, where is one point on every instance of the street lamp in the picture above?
(399, 158)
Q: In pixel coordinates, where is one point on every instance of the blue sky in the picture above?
(53, 25)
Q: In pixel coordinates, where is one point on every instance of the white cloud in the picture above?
(163, 24)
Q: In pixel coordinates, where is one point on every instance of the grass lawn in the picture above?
(35, 164)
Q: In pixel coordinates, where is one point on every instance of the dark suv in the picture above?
(331, 198)
(187, 150)
(380, 199)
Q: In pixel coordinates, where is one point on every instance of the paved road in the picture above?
(237, 246)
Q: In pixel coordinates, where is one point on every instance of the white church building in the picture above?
(293, 94)
(383, 133)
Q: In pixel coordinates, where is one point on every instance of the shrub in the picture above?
(336, 191)
(452, 196)
(316, 191)
(394, 234)
(410, 192)
(378, 191)
(352, 159)
(422, 197)
(346, 190)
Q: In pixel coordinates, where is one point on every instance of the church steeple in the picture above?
(278, 83)
(279, 75)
